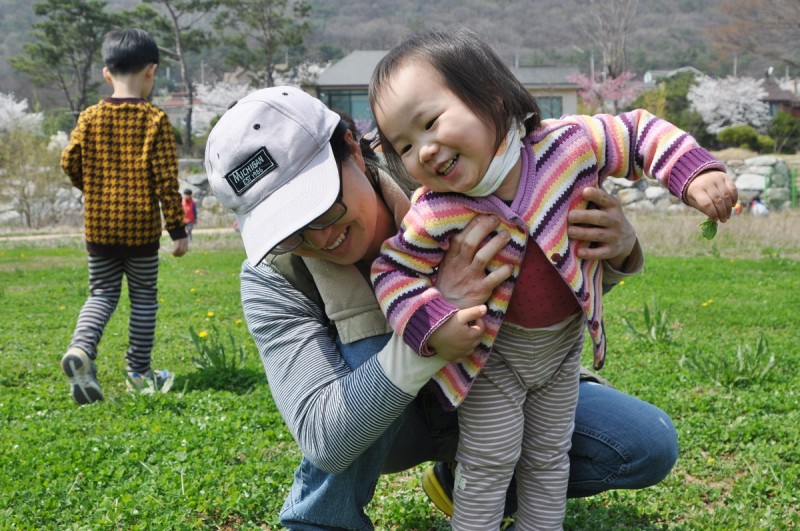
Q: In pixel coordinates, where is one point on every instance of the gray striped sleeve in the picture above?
(333, 413)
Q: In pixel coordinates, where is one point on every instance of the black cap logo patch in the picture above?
(251, 171)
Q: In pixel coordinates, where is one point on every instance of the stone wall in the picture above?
(767, 176)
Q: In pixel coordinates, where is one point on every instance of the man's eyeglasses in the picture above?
(328, 218)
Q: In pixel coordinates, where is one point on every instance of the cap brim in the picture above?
(291, 207)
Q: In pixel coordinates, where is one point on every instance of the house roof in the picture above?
(355, 70)
(777, 94)
(546, 76)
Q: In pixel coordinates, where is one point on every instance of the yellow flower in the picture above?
(62, 307)
(202, 334)
(196, 271)
(161, 299)
(210, 314)
(704, 305)
(710, 461)
(192, 289)
(621, 282)
(238, 321)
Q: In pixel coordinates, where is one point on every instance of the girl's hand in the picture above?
(457, 338)
(462, 278)
(606, 226)
(714, 194)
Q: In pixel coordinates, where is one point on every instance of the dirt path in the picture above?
(71, 235)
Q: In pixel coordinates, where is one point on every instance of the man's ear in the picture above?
(355, 150)
(107, 76)
(151, 71)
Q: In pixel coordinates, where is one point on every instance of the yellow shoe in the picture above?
(437, 482)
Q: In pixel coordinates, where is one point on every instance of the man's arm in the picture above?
(333, 412)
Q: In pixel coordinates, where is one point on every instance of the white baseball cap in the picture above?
(269, 159)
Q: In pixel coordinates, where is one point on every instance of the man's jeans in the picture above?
(620, 442)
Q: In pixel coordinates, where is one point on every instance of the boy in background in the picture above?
(189, 211)
(123, 157)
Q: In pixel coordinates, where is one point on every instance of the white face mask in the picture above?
(504, 159)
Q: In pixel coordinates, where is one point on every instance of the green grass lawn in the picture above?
(213, 453)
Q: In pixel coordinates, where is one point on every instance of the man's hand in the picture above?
(181, 247)
(457, 337)
(462, 278)
(605, 225)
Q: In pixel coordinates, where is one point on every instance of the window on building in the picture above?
(551, 106)
(353, 102)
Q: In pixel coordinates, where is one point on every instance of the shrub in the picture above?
(765, 144)
(744, 136)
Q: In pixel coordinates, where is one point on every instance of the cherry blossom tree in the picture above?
(14, 115)
(610, 95)
(32, 187)
(212, 101)
(729, 101)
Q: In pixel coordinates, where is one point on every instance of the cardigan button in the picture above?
(556, 257)
(585, 296)
(595, 325)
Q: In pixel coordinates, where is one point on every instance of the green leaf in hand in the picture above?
(708, 229)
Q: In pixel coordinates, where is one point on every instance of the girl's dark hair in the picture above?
(129, 51)
(471, 69)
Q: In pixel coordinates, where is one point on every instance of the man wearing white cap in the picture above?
(313, 212)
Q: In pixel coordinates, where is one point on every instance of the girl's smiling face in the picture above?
(443, 143)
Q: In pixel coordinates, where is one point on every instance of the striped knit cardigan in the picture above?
(559, 160)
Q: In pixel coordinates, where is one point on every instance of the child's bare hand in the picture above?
(181, 247)
(460, 334)
(714, 194)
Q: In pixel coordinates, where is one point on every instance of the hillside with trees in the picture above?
(215, 51)
(659, 35)
(49, 50)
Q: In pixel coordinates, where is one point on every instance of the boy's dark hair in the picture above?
(471, 69)
(129, 51)
(188, 191)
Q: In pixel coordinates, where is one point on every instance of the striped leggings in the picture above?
(105, 286)
(519, 415)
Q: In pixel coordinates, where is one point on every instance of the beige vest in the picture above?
(345, 291)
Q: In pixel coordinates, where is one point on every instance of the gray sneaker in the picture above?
(82, 374)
